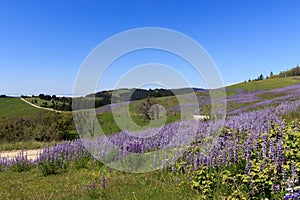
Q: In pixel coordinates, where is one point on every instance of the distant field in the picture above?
(267, 84)
(15, 107)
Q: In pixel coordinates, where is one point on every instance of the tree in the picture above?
(41, 96)
(261, 77)
(271, 74)
(86, 123)
(148, 109)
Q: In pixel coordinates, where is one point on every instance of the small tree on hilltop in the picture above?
(261, 77)
(148, 109)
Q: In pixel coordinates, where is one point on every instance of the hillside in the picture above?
(267, 84)
(241, 97)
(181, 179)
(15, 107)
(259, 91)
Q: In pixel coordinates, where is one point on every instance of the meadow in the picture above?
(255, 154)
(15, 107)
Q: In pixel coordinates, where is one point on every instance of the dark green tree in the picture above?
(261, 77)
(148, 109)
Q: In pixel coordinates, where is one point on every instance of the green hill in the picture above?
(267, 84)
(15, 107)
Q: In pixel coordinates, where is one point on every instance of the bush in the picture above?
(52, 167)
(20, 163)
(20, 167)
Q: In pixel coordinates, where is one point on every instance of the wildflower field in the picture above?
(255, 156)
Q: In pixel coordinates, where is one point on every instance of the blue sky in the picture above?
(43, 43)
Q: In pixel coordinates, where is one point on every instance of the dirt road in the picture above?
(31, 154)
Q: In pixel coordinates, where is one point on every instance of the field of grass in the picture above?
(15, 107)
(72, 185)
(9, 146)
(109, 125)
(267, 84)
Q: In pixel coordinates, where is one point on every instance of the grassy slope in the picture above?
(15, 107)
(267, 84)
(72, 185)
(119, 185)
(109, 126)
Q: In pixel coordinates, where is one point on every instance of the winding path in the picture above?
(50, 109)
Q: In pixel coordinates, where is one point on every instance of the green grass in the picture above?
(15, 107)
(109, 125)
(72, 185)
(231, 106)
(270, 95)
(32, 144)
(267, 84)
(119, 185)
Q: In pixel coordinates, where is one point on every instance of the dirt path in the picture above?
(50, 109)
(31, 154)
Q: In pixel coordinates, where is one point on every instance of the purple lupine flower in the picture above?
(196, 163)
(173, 168)
(163, 165)
(293, 169)
(93, 185)
(292, 194)
(103, 182)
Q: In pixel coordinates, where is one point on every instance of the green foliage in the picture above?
(94, 191)
(292, 143)
(52, 167)
(43, 127)
(226, 182)
(262, 177)
(204, 181)
(295, 71)
(292, 153)
(259, 181)
(214, 184)
(148, 109)
(20, 167)
(81, 162)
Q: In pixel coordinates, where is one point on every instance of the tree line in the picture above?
(295, 71)
(103, 98)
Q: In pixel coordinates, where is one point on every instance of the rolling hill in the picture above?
(267, 84)
(15, 107)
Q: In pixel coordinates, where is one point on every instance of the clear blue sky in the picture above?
(43, 43)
